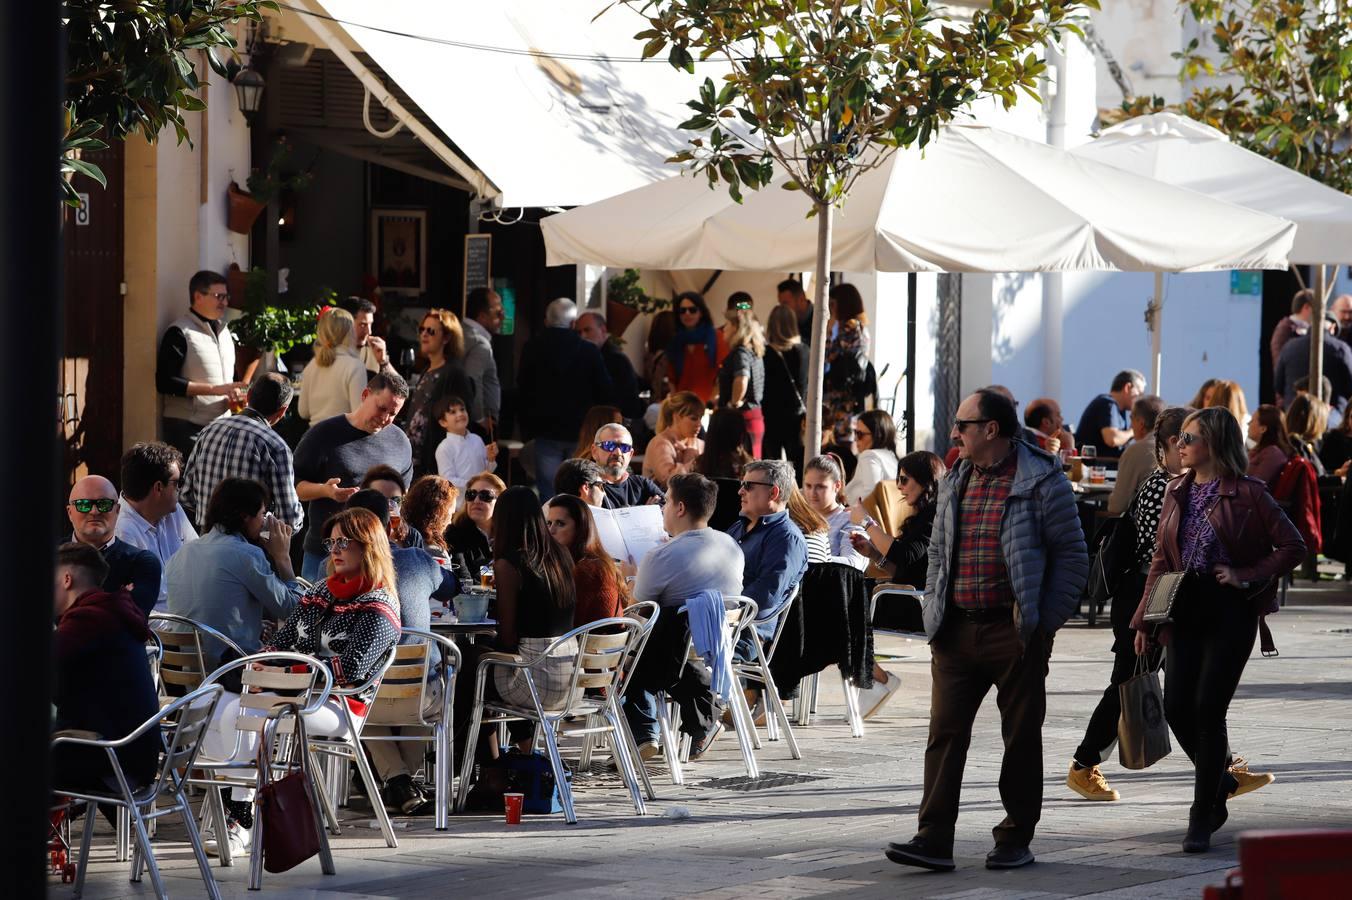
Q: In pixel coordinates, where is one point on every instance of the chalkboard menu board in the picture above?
(478, 264)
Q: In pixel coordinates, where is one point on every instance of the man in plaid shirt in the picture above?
(245, 446)
(1007, 566)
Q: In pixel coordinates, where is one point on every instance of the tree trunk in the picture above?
(1317, 334)
(820, 317)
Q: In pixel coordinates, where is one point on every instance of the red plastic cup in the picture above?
(512, 805)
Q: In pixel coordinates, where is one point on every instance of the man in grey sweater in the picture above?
(697, 558)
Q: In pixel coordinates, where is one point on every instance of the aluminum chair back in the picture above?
(184, 660)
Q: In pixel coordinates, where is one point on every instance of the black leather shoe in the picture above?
(1007, 856)
(1219, 813)
(1198, 838)
(915, 853)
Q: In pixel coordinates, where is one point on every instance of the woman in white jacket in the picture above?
(332, 382)
(875, 446)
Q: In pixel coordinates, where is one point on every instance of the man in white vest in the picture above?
(195, 369)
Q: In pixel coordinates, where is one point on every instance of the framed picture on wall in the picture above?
(399, 249)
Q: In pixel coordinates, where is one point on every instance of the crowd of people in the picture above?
(391, 497)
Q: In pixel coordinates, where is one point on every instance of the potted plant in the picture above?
(626, 300)
(266, 331)
(262, 187)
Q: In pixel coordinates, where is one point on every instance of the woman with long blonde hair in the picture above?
(786, 359)
(332, 381)
(676, 446)
(1229, 395)
(741, 379)
(441, 351)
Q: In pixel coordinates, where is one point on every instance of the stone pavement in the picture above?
(824, 837)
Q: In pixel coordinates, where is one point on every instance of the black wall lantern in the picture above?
(249, 91)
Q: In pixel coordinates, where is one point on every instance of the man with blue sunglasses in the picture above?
(613, 450)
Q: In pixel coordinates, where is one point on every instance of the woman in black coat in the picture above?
(786, 362)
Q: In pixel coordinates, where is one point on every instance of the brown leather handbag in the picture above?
(286, 810)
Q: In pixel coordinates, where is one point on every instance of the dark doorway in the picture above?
(91, 365)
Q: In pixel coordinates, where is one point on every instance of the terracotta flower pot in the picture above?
(618, 317)
(243, 212)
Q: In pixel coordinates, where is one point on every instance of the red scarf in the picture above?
(346, 587)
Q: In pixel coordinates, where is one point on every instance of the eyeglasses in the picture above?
(485, 496)
(338, 545)
(960, 424)
(1188, 438)
(902, 480)
(103, 505)
(430, 330)
(688, 310)
(748, 485)
(615, 446)
(862, 432)
(218, 295)
(596, 484)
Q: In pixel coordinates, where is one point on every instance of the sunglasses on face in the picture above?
(1188, 438)
(429, 330)
(485, 496)
(615, 446)
(688, 310)
(596, 485)
(338, 545)
(903, 480)
(862, 433)
(749, 485)
(84, 506)
(960, 424)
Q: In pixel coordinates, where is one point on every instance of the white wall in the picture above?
(227, 159)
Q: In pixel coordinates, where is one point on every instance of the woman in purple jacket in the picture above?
(1227, 533)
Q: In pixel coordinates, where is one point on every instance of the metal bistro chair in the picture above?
(347, 748)
(645, 613)
(184, 739)
(603, 647)
(736, 611)
(757, 669)
(268, 679)
(183, 661)
(402, 702)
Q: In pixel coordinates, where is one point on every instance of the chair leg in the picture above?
(198, 852)
(632, 746)
(123, 835)
(746, 730)
(147, 855)
(256, 845)
(812, 707)
(588, 745)
(624, 761)
(467, 764)
(372, 790)
(215, 805)
(91, 810)
(442, 766)
(312, 761)
(852, 713)
(774, 708)
(560, 778)
(670, 746)
(325, 852)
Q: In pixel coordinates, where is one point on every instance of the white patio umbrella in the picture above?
(975, 200)
(1184, 152)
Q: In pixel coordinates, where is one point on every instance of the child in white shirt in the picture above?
(462, 454)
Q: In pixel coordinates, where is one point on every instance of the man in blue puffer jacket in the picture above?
(1007, 565)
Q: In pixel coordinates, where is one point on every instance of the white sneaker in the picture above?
(238, 836)
(872, 699)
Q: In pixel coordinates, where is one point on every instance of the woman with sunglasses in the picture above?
(696, 350)
(1226, 533)
(905, 557)
(741, 378)
(441, 349)
(676, 446)
(875, 447)
(471, 530)
(601, 590)
(535, 604)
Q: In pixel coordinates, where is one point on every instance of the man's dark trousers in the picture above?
(968, 657)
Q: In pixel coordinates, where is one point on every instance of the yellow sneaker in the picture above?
(1090, 784)
(1248, 781)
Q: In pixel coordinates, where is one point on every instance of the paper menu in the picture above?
(628, 534)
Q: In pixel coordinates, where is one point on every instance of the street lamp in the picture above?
(249, 91)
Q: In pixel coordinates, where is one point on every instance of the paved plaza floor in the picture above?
(822, 835)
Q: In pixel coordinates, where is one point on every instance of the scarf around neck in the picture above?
(703, 333)
(346, 587)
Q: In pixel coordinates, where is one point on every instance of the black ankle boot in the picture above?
(1219, 813)
(1198, 838)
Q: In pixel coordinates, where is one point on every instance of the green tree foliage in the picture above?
(1287, 66)
(828, 89)
(130, 67)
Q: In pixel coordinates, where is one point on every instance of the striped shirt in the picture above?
(981, 576)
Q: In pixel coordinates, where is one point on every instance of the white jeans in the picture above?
(219, 740)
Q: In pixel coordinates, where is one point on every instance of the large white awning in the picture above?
(552, 107)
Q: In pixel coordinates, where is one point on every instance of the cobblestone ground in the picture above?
(824, 837)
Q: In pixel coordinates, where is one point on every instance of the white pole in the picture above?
(1053, 283)
(1156, 323)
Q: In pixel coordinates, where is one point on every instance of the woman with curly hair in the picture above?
(427, 509)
